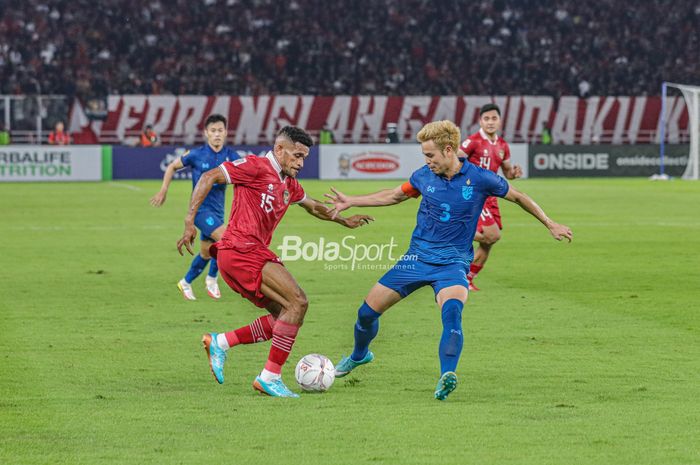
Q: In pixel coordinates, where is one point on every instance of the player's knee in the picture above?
(299, 302)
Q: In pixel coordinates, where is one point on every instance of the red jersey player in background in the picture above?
(265, 188)
(487, 150)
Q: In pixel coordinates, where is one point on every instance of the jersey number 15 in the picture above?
(266, 202)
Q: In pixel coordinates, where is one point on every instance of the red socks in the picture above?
(258, 331)
(283, 336)
(474, 270)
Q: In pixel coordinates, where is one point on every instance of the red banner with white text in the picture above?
(363, 119)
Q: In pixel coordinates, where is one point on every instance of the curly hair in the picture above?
(296, 134)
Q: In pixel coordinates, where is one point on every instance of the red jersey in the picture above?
(485, 153)
(262, 196)
(59, 138)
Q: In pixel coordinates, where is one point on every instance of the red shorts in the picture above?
(490, 215)
(242, 270)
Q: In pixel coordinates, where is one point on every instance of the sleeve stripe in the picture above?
(223, 168)
(301, 199)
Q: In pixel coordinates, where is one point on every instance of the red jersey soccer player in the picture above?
(265, 188)
(487, 150)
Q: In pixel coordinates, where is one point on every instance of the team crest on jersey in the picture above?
(501, 153)
(205, 166)
(270, 187)
(467, 192)
(286, 197)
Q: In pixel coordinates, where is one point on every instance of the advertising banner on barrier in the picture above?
(385, 161)
(361, 161)
(151, 162)
(50, 163)
(605, 160)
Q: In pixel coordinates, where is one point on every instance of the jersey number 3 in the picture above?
(445, 212)
(266, 202)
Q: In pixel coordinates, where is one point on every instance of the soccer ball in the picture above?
(315, 373)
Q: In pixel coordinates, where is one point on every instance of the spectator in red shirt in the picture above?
(58, 136)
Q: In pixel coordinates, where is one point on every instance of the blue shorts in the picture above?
(408, 275)
(207, 222)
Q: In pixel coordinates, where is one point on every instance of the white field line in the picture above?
(125, 186)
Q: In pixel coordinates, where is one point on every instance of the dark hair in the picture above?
(296, 134)
(215, 118)
(489, 107)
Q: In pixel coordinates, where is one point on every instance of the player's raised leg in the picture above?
(451, 302)
(379, 300)
(280, 286)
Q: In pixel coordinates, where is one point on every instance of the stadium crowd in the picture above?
(399, 47)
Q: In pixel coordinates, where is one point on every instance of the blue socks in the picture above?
(213, 268)
(366, 329)
(452, 338)
(196, 268)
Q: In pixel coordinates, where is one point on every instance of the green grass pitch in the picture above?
(581, 353)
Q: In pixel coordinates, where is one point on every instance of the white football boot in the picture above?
(213, 288)
(186, 290)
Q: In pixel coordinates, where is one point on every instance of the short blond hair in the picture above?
(442, 133)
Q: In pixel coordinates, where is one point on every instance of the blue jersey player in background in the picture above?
(440, 252)
(210, 217)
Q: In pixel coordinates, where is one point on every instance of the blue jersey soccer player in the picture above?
(210, 218)
(454, 192)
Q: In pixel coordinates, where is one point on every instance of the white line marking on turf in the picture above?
(124, 185)
(88, 228)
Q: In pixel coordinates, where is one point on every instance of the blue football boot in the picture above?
(347, 364)
(273, 388)
(216, 356)
(446, 384)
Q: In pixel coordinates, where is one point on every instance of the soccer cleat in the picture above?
(213, 288)
(216, 356)
(347, 364)
(186, 290)
(446, 384)
(273, 388)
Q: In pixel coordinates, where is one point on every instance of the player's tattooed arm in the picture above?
(159, 199)
(558, 231)
(340, 201)
(200, 192)
(321, 211)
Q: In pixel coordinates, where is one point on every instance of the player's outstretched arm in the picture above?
(200, 192)
(159, 199)
(511, 171)
(558, 231)
(321, 211)
(340, 201)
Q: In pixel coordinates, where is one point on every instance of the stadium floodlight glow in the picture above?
(691, 95)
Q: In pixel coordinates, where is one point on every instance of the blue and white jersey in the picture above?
(449, 212)
(203, 159)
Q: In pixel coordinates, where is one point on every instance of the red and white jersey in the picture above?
(484, 152)
(262, 196)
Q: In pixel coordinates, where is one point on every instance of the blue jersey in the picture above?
(449, 212)
(201, 160)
